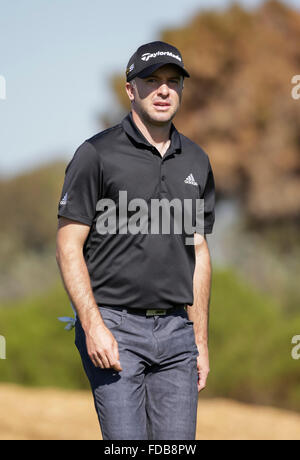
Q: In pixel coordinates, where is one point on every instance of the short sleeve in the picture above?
(209, 200)
(82, 185)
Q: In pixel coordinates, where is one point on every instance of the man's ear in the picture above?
(130, 91)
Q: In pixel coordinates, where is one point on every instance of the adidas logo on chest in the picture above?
(190, 180)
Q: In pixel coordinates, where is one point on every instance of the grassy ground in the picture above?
(31, 413)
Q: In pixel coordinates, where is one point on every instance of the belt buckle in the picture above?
(155, 312)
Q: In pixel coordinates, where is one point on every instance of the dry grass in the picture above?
(42, 414)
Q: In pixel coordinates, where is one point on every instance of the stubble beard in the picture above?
(145, 115)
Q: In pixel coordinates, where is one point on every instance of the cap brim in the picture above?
(152, 68)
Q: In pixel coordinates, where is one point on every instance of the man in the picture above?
(141, 296)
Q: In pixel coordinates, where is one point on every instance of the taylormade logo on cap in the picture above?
(147, 56)
(150, 57)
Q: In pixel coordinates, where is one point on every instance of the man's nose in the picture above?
(163, 89)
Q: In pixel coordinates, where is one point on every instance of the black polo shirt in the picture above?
(147, 269)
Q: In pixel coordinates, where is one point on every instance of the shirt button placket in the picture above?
(163, 187)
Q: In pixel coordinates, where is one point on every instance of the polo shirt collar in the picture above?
(137, 137)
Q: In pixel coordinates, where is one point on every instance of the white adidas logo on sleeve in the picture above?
(190, 180)
(64, 199)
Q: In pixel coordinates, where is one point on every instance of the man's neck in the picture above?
(159, 136)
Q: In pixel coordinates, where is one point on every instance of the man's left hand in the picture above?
(202, 366)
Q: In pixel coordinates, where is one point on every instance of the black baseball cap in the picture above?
(150, 57)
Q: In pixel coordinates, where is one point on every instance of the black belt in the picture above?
(147, 311)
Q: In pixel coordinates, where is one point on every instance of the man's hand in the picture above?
(202, 366)
(102, 347)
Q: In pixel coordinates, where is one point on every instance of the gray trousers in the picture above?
(155, 395)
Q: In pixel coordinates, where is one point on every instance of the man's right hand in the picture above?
(102, 347)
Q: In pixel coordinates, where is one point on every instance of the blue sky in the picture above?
(57, 57)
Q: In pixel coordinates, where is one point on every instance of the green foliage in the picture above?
(30, 219)
(250, 344)
(28, 204)
(38, 350)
